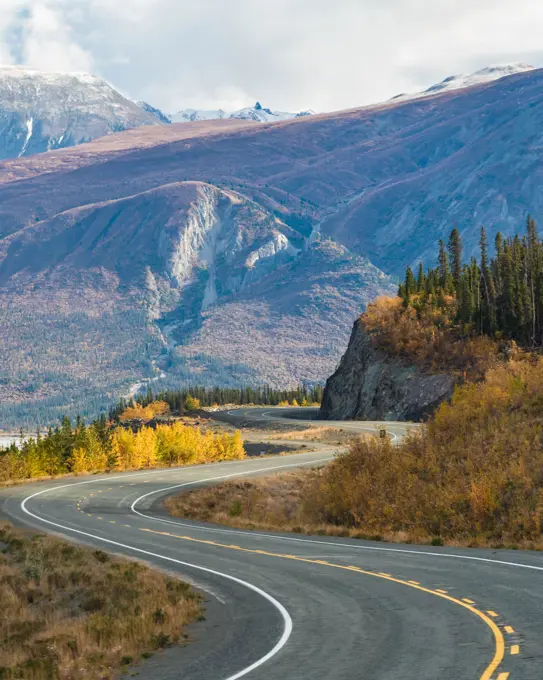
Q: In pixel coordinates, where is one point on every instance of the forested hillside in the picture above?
(500, 296)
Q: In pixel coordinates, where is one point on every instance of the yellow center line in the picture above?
(515, 649)
(503, 676)
(439, 590)
(499, 652)
(415, 583)
(493, 614)
(509, 629)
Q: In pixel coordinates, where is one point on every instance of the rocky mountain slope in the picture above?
(368, 385)
(183, 282)
(222, 251)
(257, 113)
(40, 111)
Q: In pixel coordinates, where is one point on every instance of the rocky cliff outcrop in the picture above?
(368, 385)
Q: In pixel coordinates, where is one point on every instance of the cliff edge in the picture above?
(369, 385)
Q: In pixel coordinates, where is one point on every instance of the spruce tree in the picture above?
(454, 249)
(443, 266)
(421, 279)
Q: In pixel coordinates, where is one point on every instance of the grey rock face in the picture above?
(369, 386)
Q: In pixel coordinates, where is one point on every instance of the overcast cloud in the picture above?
(288, 54)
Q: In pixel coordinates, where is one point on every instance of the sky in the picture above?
(290, 55)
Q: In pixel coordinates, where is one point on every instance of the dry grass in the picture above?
(473, 476)
(267, 504)
(73, 613)
(314, 434)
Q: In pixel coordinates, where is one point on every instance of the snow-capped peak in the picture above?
(457, 82)
(42, 110)
(257, 113)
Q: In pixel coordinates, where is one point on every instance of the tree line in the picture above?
(189, 398)
(101, 447)
(498, 296)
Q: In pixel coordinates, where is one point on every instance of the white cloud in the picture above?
(49, 41)
(289, 54)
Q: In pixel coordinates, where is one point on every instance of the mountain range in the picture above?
(257, 113)
(41, 111)
(230, 251)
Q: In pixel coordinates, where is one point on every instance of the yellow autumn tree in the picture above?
(139, 412)
(145, 453)
(122, 445)
(80, 461)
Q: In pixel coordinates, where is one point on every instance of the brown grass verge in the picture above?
(316, 434)
(267, 504)
(75, 613)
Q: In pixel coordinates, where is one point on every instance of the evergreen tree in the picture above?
(443, 267)
(501, 294)
(454, 249)
(421, 279)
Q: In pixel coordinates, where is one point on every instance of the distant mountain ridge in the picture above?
(42, 111)
(257, 113)
(458, 82)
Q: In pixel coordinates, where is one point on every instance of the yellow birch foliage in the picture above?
(139, 412)
(97, 450)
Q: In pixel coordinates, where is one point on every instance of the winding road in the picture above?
(283, 607)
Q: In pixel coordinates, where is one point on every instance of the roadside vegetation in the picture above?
(78, 614)
(104, 446)
(472, 476)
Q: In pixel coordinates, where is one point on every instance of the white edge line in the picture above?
(287, 620)
(258, 534)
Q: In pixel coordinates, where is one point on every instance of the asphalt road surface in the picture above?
(283, 607)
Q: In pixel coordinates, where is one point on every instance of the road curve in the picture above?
(308, 417)
(283, 607)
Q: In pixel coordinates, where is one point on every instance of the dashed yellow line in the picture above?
(509, 629)
(503, 676)
(465, 602)
(440, 590)
(415, 583)
(493, 614)
(515, 649)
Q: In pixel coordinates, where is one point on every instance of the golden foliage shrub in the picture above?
(426, 335)
(146, 413)
(175, 444)
(475, 473)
